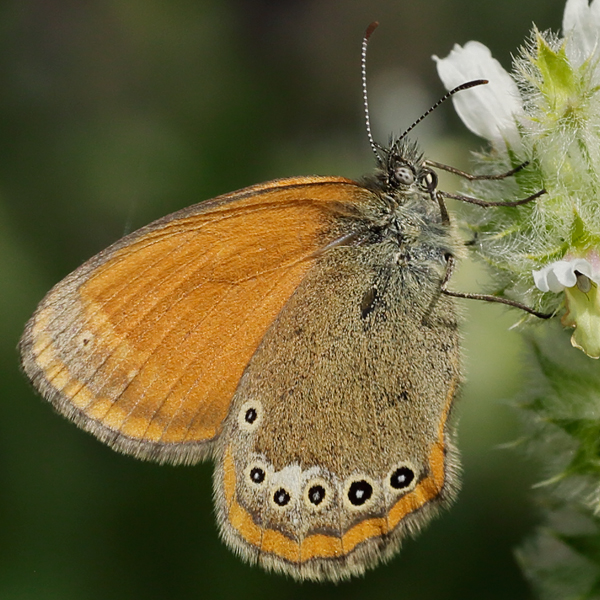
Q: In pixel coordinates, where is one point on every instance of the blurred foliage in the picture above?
(115, 113)
(561, 408)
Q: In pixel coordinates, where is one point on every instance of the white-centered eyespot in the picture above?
(402, 478)
(280, 498)
(360, 492)
(250, 415)
(318, 494)
(256, 474)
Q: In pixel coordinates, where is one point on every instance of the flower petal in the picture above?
(540, 279)
(583, 266)
(547, 280)
(565, 273)
(581, 28)
(562, 274)
(487, 110)
(582, 303)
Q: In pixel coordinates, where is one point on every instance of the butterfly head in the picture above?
(403, 169)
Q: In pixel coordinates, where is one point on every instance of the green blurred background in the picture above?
(115, 113)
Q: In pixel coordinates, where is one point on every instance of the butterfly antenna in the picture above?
(363, 62)
(460, 88)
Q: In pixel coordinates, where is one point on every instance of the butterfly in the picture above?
(298, 332)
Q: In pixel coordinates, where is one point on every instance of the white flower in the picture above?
(562, 274)
(554, 121)
(582, 300)
(581, 26)
(491, 110)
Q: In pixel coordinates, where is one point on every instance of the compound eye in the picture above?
(428, 180)
(403, 174)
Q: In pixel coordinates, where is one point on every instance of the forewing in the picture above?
(144, 345)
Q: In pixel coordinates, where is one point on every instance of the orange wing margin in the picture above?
(144, 345)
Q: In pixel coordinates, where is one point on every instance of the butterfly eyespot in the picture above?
(402, 478)
(403, 174)
(250, 415)
(428, 180)
(360, 493)
(257, 475)
(84, 338)
(317, 494)
(281, 497)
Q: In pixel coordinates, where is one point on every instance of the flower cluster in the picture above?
(546, 114)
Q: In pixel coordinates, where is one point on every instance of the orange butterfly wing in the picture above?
(144, 345)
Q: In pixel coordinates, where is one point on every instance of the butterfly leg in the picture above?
(486, 297)
(471, 177)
